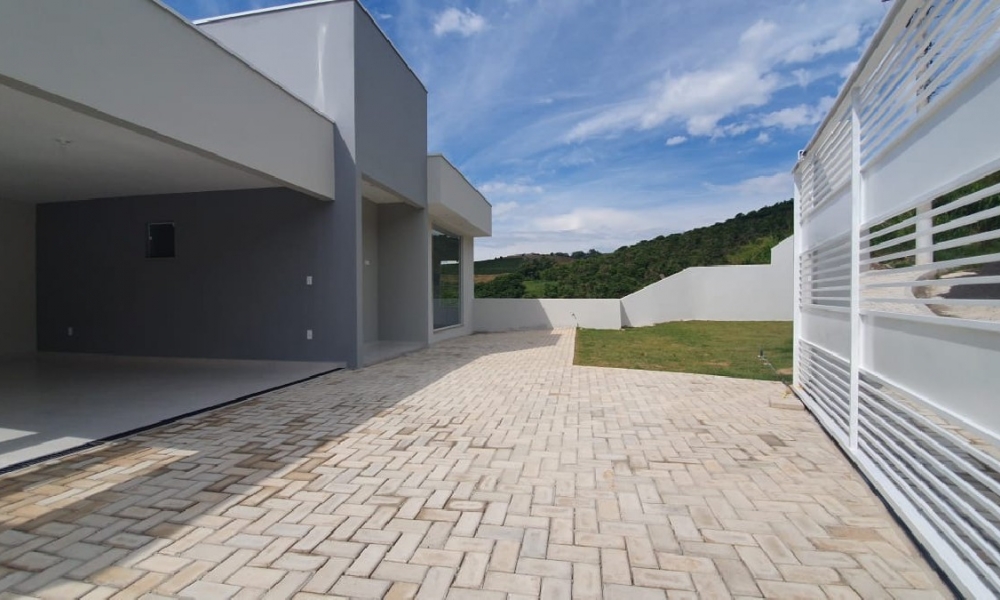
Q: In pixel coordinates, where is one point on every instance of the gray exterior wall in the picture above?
(369, 267)
(391, 113)
(236, 289)
(17, 279)
(344, 251)
(404, 273)
(310, 52)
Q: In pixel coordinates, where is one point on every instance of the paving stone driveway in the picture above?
(484, 467)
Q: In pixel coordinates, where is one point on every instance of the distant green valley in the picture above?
(743, 240)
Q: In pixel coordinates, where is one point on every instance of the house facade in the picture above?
(255, 186)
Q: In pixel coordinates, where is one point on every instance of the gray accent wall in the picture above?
(391, 113)
(404, 273)
(333, 56)
(17, 279)
(236, 289)
(369, 266)
(309, 50)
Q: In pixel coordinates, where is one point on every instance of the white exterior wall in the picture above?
(508, 314)
(17, 279)
(145, 54)
(308, 50)
(454, 202)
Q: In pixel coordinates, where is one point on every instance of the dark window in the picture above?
(160, 240)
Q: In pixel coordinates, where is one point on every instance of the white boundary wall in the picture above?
(507, 314)
(726, 293)
(904, 375)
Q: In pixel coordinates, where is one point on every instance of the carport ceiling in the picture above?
(52, 153)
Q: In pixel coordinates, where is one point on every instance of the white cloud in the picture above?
(803, 77)
(463, 22)
(594, 220)
(624, 82)
(845, 38)
(802, 115)
(769, 188)
(677, 140)
(699, 98)
(759, 33)
(502, 188)
(704, 98)
(848, 69)
(501, 209)
(607, 228)
(595, 212)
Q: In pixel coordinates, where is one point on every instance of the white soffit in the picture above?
(379, 194)
(51, 153)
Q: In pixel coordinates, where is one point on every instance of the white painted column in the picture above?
(796, 279)
(857, 206)
(925, 239)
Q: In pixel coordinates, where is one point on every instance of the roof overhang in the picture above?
(107, 99)
(454, 203)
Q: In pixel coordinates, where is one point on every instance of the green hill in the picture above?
(499, 266)
(744, 239)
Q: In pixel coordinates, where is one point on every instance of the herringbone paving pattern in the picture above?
(482, 468)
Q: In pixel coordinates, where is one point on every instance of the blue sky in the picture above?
(598, 123)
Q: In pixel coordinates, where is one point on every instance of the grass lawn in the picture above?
(730, 349)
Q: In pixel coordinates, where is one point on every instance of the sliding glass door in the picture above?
(446, 278)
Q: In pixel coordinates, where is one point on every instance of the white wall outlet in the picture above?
(309, 334)
(309, 279)
(69, 331)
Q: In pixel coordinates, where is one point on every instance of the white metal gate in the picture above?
(897, 323)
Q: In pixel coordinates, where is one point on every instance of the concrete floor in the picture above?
(52, 403)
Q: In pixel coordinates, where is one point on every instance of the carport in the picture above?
(165, 219)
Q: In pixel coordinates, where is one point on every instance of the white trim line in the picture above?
(260, 11)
